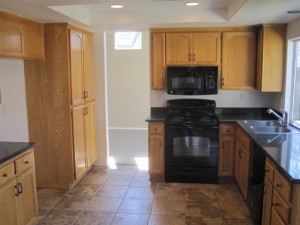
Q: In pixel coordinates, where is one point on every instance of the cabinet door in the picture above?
(226, 156)
(158, 61)
(33, 40)
(238, 60)
(267, 203)
(79, 142)
(11, 38)
(156, 155)
(88, 66)
(178, 48)
(27, 198)
(8, 204)
(76, 57)
(206, 48)
(271, 58)
(90, 133)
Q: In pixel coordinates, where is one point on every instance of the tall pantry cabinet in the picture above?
(61, 107)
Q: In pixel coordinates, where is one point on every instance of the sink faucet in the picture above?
(284, 118)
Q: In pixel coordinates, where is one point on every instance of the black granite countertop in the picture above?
(158, 114)
(282, 149)
(9, 150)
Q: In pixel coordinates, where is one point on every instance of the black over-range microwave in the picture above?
(197, 80)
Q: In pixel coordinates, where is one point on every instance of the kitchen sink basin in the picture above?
(261, 123)
(270, 129)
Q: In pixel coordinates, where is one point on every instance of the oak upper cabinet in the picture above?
(238, 60)
(11, 36)
(158, 67)
(18, 199)
(271, 58)
(242, 161)
(33, 40)
(20, 37)
(156, 153)
(76, 63)
(198, 48)
(60, 94)
(226, 150)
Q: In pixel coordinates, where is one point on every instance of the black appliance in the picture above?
(198, 80)
(256, 184)
(191, 141)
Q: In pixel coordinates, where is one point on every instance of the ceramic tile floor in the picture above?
(125, 196)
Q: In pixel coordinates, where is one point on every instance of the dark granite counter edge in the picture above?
(24, 149)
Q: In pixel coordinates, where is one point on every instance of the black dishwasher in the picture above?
(256, 183)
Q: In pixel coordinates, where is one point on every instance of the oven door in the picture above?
(191, 147)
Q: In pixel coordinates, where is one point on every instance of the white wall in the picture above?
(128, 75)
(13, 111)
(100, 94)
(223, 98)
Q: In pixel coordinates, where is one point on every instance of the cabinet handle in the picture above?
(86, 94)
(4, 175)
(20, 188)
(278, 185)
(26, 162)
(240, 153)
(267, 171)
(16, 191)
(194, 57)
(190, 57)
(276, 204)
(228, 131)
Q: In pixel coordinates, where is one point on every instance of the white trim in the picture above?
(127, 128)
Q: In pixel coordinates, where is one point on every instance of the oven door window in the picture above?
(189, 146)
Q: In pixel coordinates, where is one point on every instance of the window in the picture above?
(128, 40)
(295, 104)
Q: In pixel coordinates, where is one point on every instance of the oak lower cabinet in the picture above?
(61, 105)
(21, 37)
(271, 58)
(242, 161)
(238, 70)
(158, 67)
(156, 150)
(226, 150)
(18, 198)
(281, 198)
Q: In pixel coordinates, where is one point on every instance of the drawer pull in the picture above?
(4, 175)
(27, 162)
(276, 204)
(278, 185)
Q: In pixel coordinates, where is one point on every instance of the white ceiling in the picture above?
(144, 14)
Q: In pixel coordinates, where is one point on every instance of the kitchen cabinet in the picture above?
(271, 58)
(226, 150)
(156, 153)
(242, 160)
(195, 48)
(18, 200)
(20, 37)
(238, 70)
(60, 101)
(281, 198)
(158, 67)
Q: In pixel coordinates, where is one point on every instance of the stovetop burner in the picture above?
(191, 112)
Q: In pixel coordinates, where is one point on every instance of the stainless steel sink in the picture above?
(270, 129)
(261, 123)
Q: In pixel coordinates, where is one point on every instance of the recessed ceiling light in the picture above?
(293, 11)
(191, 3)
(116, 6)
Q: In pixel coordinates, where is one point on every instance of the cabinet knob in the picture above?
(26, 162)
(4, 175)
(278, 185)
(228, 131)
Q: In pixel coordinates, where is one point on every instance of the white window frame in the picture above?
(133, 44)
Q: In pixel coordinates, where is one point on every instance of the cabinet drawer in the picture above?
(243, 138)
(24, 163)
(227, 130)
(6, 173)
(275, 218)
(282, 186)
(269, 170)
(156, 128)
(281, 207)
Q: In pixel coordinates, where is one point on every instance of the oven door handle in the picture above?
(192, 128)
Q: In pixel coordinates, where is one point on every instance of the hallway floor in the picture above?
(125, 196)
